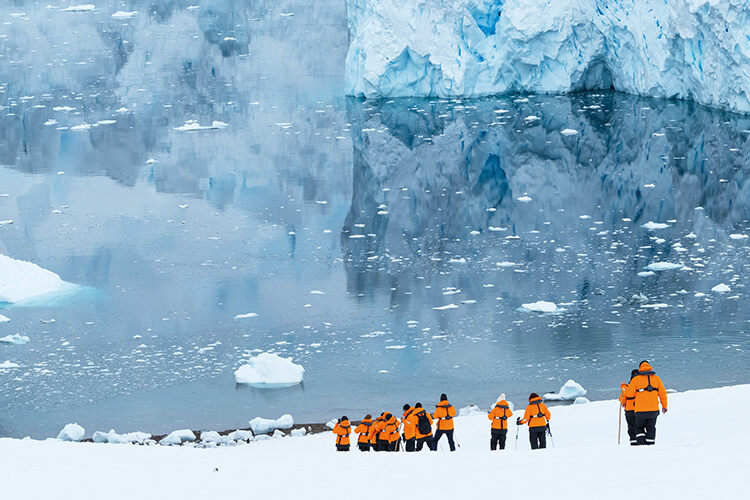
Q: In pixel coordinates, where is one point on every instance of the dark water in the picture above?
(390, 208)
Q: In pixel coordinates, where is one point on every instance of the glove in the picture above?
(664, 410)
(518, 421)
(547, 428)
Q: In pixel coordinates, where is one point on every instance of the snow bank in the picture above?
(688, 49)
(264, 425)
(178, 437)
(269, 370)
(15, 339)
(22, 281)
(568, 392)
(113, 437)
(71, 432)
(540, 306)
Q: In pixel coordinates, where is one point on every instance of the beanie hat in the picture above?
(443, 397)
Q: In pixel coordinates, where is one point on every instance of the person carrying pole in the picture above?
(628, 404)
(499, 428)
(537, 416)
(444, 413)
(648, 390)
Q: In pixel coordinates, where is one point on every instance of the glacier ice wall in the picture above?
(688, 49)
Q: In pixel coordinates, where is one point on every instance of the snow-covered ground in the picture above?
(700, 451)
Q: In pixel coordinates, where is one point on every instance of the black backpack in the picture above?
(423, 423)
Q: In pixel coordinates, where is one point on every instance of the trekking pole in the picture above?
(619, 423)
(517, 426)
(551, 439)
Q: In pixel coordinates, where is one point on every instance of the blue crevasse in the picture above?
(688, 49)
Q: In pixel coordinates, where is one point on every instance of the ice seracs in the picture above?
(268, 370)
(469, 48)
(568, 392)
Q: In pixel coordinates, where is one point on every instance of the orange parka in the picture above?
(375, 430)
(537, 414)
(342, 431)
(410, 427)
(625, 401)
(444, 413)
(363, 429)
(499, 415)
(647, 389)
(414, 419)
(381, 432)
(391, 429)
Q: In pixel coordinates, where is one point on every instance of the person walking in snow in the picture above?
(537, 416)
(628, 404)
(342, 429)
(410, 429)
(392, 426)
(423, 423)
(382, 436)
(363, 429)
(499, 428)
(444, 413)
(648, 390)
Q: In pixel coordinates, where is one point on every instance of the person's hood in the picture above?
(443, 404)
(367, 421)
(645, 367)
(535, 400)
(502, 404)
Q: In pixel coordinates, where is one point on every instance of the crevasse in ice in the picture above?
(690, 49)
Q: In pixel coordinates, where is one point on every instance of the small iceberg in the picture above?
(7, 365)
(541, 306)
(265, 425)
(113, 437)
(446, 307)
(721, 288)
(178, 437)
(15, 339)
(568, 392)
(569, 131)
(71, 432)
(268, 370)
(663, 266)
(21, 281)
(193, 125)
(653, 226)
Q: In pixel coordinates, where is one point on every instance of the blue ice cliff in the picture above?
(688, 49)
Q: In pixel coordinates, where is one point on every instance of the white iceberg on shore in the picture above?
(568, 392)
(178, 437)
(71, 432)
(22, 281)
(113, 437)
(268, 370)
(265, 425)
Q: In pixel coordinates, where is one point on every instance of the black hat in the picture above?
(443, 397)
(418, 405)
(533, 395)
(344, 418)
(406, 406)
(633, 373)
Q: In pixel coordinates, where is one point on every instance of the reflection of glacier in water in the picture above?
(393, 210)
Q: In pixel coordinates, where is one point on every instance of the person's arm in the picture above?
(662, 396)
(491, 415)
(630, 390)
(526, 416)
(546, 412)
(509, 412)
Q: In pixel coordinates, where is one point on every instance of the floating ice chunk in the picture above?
(4, 319)
(71, 432)
(15, 339)
(737, 236)
(193, 125)
(569, 131)
(122, 14)
(317, 292)
(663, 266)
(80, 128)
(655, 306)
(269, 370)
(645, 274)
(87, 7)
(531, 118)
(6, 365)
(653, 226)
(699, 294)
(446, 307)
(541, 306)
(6, 222)
(246, 315)
(395, 347)
(63, 109)
(178, 437)
(265, 425)
(506, 264)
(459, 260)
(568, 392)
(21, 281)
(524, 199)
(721, 288)
(50, 122)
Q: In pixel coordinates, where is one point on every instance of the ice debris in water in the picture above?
(6, 365)
(568, 392)
(721, 288)
(193, 125)
(264, 425)
(446, 307)
(541, 306)
(178, 437)
(86, 7)
(269, 370)
(653, 226)
(15, 339)
(581, 400)
(121, 14)
(737, 236)
(113, 437)
(663, 266)
(71, 432)
(569, 131)
(246, 315)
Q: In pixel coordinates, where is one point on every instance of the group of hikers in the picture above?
(414, 431)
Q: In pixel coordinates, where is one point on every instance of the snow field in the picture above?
(693, 458)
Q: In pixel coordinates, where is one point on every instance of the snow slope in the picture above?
(692, 459)
(690, 49)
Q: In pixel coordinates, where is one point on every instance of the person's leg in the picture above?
(630, 419)
(651, 430)
(543, 438)
(449, 435)
(533, 439)
(494, 438)
(640, 429)
(420, 443)
(411, 444)
(438, 434)
(503, 436)
(364, 446)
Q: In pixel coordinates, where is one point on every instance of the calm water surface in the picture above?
(391, 209)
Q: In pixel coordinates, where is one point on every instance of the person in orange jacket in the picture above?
(628, 405)
(499, 428)
(444, 413)
(342, 430)
(363, 429)
(648, 391)
(422, 421)
(392, 426)
(374, 433)
(537, 416)
(383, 441)
(410, 429)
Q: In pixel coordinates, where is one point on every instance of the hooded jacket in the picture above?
(391, 429)
(444, 413)
(625, 401)
(499, 415)
(410, 427)
(342, 431)
(363, 429)
(414, 419)
(647, 390)
(537, 414)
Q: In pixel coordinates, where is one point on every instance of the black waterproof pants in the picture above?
(497, 437)
(645, 427)
(384, 445)
(342, 447)
(427, 440)
(630, 419)
(449, 434)
(364, 446)
(538, 437)
(411, 444)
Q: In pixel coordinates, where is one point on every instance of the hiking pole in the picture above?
(619, 423)
(551, 439)
(517, 426)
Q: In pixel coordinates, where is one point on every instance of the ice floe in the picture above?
(269, 370)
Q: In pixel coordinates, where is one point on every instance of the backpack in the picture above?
(423, 423)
